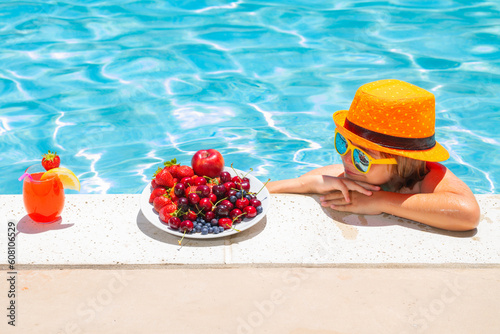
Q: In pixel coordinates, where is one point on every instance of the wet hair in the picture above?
(406, 173)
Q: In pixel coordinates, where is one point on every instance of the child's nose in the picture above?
(347, 158)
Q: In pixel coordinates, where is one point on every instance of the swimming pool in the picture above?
(117, 87)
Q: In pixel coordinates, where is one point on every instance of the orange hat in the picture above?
(395, 117)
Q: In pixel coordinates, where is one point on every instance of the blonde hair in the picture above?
(406, 173)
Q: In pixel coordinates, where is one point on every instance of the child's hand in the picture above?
(359, 203)
(328, 184)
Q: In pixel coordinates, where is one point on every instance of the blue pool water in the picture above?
(117, 87)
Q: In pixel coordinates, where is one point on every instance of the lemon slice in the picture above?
(67, 177)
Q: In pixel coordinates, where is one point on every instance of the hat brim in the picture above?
(435, 154)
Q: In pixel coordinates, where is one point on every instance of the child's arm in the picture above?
(444, 202)
(321, 181)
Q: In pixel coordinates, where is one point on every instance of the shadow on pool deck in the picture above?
(28, 226)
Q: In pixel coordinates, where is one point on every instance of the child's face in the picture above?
(377, 175)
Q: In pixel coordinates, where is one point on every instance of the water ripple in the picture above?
(117, 87)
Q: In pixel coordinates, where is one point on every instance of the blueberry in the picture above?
(239, 194)
(207, 225)
(210, 229)
(259, 209)
(248, 197)
(214, 222)
(204, 231)
(221, 229)
(216, 230)
(202, 221)
(232, 199)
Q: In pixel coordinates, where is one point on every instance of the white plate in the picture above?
(255, 186)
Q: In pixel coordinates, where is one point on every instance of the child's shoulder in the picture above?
(439, 178)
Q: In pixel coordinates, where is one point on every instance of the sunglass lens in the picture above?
(340, 144)
(361, 160)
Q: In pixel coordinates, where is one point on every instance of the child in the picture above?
(390, 162)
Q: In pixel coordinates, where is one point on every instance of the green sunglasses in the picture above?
(361, 160)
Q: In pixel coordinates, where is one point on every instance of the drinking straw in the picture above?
(24, 175)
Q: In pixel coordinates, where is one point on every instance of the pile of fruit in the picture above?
(203, 198)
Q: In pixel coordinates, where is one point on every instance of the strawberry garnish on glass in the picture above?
(51, 160)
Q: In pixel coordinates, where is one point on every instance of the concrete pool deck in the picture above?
(106, 269)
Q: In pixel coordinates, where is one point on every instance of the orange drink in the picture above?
(43, 199)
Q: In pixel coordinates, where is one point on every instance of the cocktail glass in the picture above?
(43, 199)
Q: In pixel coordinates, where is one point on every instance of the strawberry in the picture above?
(164, 216)
(51, 160)
(170, 208)
(172, 166)
(214, 181)
(184, 171)
(157, 192)
(160, 201)
(164, 178)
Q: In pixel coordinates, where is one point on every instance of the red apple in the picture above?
(207, 163)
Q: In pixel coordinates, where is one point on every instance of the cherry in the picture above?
(227, 203)
(174, 222)
(236, 179)
(191, 215)
(245, 185)
(255, 202)
(225, 177)
(245, 179)
(193, 198)
(179, 189)
(205, 204)
(231, 192)
(229, 185)
(219, 190)
(209, 216)
(242, 203)
(203, 190)
(183, 203)
(222, 210)
(200, 180)
(250, 211)
(187, 181)
(186, 226)
(235, 215)
(212, 198)
(226, 223)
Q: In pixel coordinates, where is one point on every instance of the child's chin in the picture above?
(353, 176)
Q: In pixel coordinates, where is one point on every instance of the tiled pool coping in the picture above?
(103, 230)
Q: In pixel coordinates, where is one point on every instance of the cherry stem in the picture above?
(263, 187)
(220, 201)
(251, 170)
(183, 235)
(234, 170)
